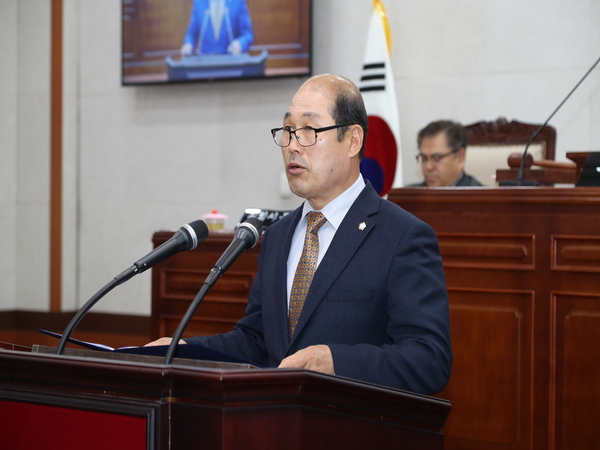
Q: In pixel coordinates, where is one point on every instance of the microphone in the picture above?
(187, 238)
(520, 174)
(246, 236)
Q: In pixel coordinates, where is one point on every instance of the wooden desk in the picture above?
(545, 176)
(523, 275)
(548, 176)
(176, 281)
(579, 158)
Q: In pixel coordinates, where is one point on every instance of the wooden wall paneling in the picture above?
(576, 356)
(576, 253)
(487, 250)
(176, 282)
(557, 229)
(220, 309)
(492, 373)
(114, 330)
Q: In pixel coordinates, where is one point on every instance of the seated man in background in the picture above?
(442, 154)
(349, 283)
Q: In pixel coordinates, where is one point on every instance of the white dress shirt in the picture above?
(334, 212)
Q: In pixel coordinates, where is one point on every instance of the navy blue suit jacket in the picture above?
(464, 180)
(378, 300)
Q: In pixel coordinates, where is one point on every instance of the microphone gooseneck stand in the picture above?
(187, 238)
(246, 237)
(82, 312)
(184, 321)
(521, 173)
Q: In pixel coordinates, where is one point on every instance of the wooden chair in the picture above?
(491, 143)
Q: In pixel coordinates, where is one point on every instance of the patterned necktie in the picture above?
(306, 268)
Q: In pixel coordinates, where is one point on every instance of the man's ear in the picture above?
(462, 154)
(357, 137)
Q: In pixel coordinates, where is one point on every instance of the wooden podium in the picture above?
(67, 402)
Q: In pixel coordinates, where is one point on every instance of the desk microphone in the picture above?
(520, 174)
(187, 238)
(246, 236)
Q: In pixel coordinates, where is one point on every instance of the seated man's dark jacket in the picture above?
(378, 300)
(465, 180)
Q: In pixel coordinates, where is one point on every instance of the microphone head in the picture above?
(196, 231)
(250, 231)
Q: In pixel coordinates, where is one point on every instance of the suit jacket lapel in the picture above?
(346, 241)
(280, 277)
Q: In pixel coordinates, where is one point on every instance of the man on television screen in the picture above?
(218, 26)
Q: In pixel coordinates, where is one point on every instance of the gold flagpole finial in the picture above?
(379, 8)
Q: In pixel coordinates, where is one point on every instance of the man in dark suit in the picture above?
(377, 308)
(442, 154)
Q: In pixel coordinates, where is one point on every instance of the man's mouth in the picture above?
(294, 167)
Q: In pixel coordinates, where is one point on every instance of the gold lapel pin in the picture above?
(362, 226)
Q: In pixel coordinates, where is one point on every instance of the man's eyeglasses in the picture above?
(436, 157)
(305, 136)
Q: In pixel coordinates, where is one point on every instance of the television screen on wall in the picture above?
(175, 41)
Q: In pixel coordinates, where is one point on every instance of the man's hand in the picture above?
(163, 341)
(186, 49)
(315, 357)
(235, 48)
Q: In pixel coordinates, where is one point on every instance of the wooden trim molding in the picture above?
(93, 322)
(115, 330)
(56, 156)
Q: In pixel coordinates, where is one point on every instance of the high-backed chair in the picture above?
(490, 144)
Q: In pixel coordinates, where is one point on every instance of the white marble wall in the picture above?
(139, 159)
(8, 154)
(473, 60)
(24, 144)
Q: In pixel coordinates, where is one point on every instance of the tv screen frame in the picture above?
(153, 34)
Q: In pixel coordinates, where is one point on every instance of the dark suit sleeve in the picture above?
(193, 29)
(245, 32)
(417, 355)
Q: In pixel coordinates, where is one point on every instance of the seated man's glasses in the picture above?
(305, 136)
(436, 157)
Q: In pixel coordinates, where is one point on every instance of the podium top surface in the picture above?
(177, 383)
